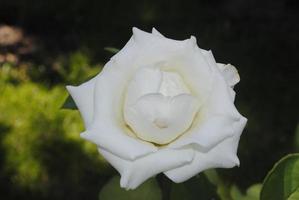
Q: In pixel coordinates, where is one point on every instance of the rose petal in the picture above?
(134, 173)
(145, 48)
(220, 101)
(209, 57)
(215, 120)
(83, 97)
(116, 141)
(155, 32)
(208, 134)
(222, 155)
(194, 70)
(146, 80)
(108, 129)
(183, 57)
(230, 73)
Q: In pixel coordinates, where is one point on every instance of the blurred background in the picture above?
(45, 45)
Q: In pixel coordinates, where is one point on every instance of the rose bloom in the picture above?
(162, 105)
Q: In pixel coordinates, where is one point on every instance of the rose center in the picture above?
(161, 123)
(159, 107)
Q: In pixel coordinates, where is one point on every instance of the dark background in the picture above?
(261, 38)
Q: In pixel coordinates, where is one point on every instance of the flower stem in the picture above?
(165, 185)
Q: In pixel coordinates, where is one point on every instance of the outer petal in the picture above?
(155, 32)
(108, 129)
(134, 173)
(208, 134)
(115, 140)
(215, 121)
(145, 49)
(222, 155)
(230, 73)
(83, 97)
(209, 57)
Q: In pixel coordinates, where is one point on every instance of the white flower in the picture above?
(162, 105)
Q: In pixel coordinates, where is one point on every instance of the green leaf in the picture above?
(223, 188)
(69, 103)
(282, 182)
(147, 191)
(196, 188)
(252, 193)
(235, 193)
(294, 195)
(111, 50)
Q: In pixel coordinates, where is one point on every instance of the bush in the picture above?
(44, 156)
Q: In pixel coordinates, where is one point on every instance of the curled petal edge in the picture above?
(134, 173)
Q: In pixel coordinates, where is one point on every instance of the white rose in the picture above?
(162, 105)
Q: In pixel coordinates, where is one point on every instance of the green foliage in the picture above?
(72, 68)
(282, 182)
(44, 155)
(147, 191)
(9, 73)
(112, 50)
(222, 186)
(198, 187)
(69, 103)
(252, 193)
(76, 67)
